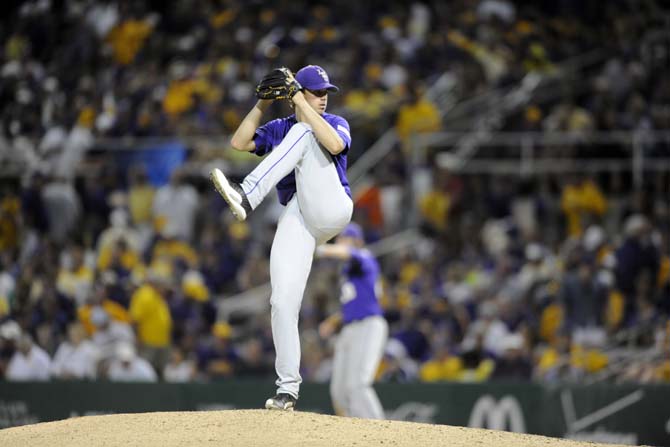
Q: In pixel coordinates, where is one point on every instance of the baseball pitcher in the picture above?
(307, 161)
(360, 344)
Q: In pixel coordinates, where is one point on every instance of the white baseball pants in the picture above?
(318, 211)
(358, 351)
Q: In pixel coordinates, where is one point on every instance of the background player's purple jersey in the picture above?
(273, 132)
(359, 297)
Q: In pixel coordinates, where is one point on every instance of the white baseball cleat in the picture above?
(234, 197)
(282, 402)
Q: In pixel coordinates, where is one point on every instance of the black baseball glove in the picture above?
(278, 84)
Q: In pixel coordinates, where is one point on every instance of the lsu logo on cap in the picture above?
(322, 73)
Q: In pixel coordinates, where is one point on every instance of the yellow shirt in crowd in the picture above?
(74, 282)
(115, 311)
(175, 249)
(421, 116)
(150, 312)
(140, 203)
(127, 39)
(435, 208)
(578, 201)
(129, 259)
(10, 208)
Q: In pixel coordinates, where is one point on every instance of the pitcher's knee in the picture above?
(301, 126)
(337, 216)
(329, 217)
(298, 130)
(300, 136)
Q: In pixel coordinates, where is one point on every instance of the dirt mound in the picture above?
(258, 428)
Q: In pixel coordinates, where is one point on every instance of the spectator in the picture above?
(109, 334)
(191, 308)
(128, 367)
(217, 356)
(254, 360)
(151, 316)
(435, 205)
(538, 269)
(33, 205)
(63, 208)
(489, 327)
(118, 261)
(443, 365)
(477, 362)
(10, 332)
(175, 204)
(637, 256)
(9, 220)
(514, 363)
(100, 298)
(29, 362)
(397, 365)
(140, 202)
(7, 286)
(583, 203)
(553, 362)
(170, 248)
(75, 278)
(417, 115)
(581, 298)
(179, 369)
(75, 358)
(127, 37)
(569, 117)
(119, 229)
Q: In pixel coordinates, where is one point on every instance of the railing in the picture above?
(619, 365)
(523, 157)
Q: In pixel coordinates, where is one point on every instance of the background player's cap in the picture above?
(353, 230)
(313, 77)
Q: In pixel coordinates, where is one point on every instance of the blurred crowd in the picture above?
(132, 274)
(545, 278)
(549, 277)
(73, 71)
(107, 276)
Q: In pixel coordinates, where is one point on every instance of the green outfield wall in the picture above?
(622, 414)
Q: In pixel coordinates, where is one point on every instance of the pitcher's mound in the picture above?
(258, 428)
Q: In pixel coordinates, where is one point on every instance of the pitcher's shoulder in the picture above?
(331, 116)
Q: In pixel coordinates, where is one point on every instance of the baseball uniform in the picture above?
(361, 342)
(312, 184)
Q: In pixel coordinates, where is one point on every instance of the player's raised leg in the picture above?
(246, 196)
(324, 203)
(277, 164)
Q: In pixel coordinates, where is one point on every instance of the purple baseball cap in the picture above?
(313, 77)
(353, 230)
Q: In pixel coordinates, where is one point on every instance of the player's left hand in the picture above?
(278, 84)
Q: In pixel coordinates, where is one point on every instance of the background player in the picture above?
(306, 161)
(361, 342)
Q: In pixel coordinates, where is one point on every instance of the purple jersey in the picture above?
(269, 135)
(359, 294)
